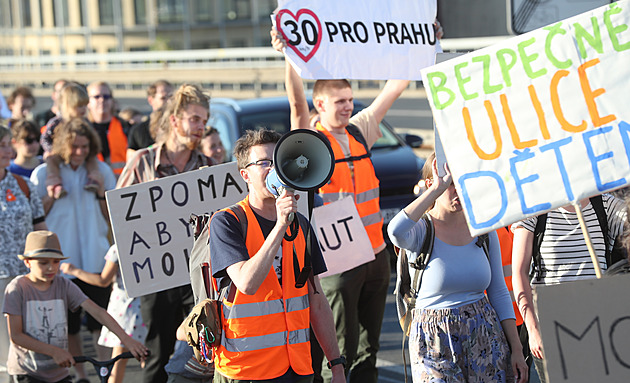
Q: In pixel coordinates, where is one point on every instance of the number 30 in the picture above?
(308, 30)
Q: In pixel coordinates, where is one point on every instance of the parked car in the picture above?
(397, 167)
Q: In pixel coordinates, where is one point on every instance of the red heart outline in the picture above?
(297, 18)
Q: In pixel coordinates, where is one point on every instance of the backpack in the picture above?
(406, 290)
(613, 256)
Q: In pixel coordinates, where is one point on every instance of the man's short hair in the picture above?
(20, 91)
(323, 87)
(152, 90)
(22, 129)
(67, 131)
(182, 98)
(252, 138)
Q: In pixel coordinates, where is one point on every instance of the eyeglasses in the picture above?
(103, 96)
(263, 163)
(30, 140)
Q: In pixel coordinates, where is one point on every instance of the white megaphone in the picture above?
(303, 160)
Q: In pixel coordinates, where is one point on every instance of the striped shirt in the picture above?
(564, 255)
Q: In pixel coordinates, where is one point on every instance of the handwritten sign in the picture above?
(150, 223)
(330, 39)
(539, 120)
(342, 236)
(585, 328)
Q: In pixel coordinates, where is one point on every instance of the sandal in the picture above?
(91, 186)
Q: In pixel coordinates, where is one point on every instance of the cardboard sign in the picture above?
(539, 120)
(334, 39)
(342, 236)
(150, 223)
(585, 328)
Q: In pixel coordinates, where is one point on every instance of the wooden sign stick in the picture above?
(587, 238)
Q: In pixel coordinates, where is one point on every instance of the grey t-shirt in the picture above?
(44, 317)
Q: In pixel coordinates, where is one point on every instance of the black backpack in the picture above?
(613, 256)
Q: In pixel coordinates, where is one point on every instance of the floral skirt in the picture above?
(463, 344)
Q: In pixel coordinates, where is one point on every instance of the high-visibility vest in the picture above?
(266, 333)
(117, 140)
(364, 190)
(505, 241)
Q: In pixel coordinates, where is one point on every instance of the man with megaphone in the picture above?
(273, 299)
(357, 296)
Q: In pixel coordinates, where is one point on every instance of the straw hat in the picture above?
(42, 244)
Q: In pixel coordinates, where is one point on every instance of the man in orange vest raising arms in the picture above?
(357, 296)
(267, 314)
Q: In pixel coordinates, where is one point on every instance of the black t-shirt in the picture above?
(140, 136)
(227, 246)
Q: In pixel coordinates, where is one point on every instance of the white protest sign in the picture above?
(342, 236)
(585, 328)
(150, 223)
(381, 40)
(539, 120)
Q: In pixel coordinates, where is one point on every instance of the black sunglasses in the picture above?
(103, 96)
(30, 140)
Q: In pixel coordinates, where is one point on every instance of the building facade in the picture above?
(60, 27)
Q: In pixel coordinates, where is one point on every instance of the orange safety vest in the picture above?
(505, 241)
(117, 141)
(364, 190)
(266, 333)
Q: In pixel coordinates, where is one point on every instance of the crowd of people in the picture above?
(278, 324)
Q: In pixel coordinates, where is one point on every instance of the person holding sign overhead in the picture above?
(357, 296)
(175, 152)
(561, 255)
(457, 333)
(268, 295)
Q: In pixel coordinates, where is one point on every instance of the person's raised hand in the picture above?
(443, 182)
(277, 41)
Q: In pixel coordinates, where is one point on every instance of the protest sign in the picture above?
(539, 120)
(342, 236)
(150, 223)
(585, 329)
(350, 39)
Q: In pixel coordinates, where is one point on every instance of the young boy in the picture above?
(36, 306)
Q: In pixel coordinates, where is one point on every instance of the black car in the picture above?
(396, 165)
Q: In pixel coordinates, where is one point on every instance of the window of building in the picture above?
(203, 11)
(26, 13)
(237, 9)
(140, 10)
(106, 12)
(6, 17)
(170, 11)
(266, 8)
(64, 13)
